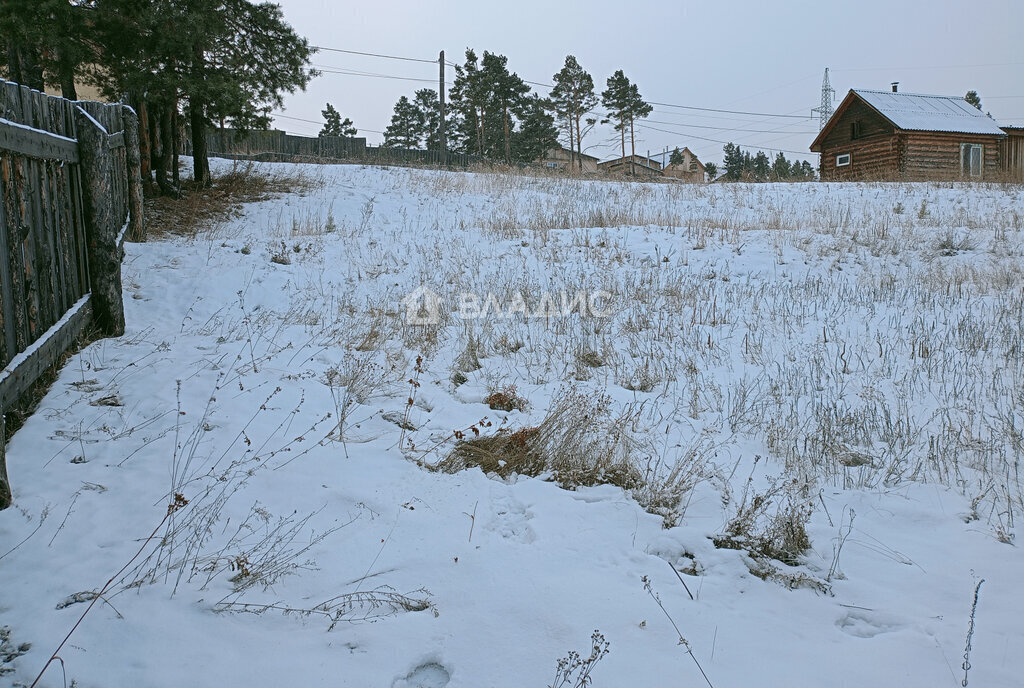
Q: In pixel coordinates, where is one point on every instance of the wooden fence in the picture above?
(70, 189)
(1011, 154)
(277, 146)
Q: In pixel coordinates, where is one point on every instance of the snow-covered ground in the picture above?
(845, 357)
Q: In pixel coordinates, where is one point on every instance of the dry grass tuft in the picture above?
(579, 444)
(506, 399)
(505, 453)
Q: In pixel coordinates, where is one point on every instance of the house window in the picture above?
(972, 156)
(842, 160)
(855, 132)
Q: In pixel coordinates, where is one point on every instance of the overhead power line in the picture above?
(318, 123)
(751, 131)
(731, 112)
(388, 57)
(352, 72)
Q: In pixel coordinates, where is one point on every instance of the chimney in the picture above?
(895, 86)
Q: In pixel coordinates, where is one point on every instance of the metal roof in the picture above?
(915, 112)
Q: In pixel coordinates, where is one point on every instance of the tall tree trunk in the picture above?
(622, 132)
(160, 114)
(632, 147)
(197, 120)
(175, 146)
(480, 133)
(139, 103)
(576, 122)
(508, 141)
(66, 70)
(572, 143)
(23, 65)
(167, 145)
(579, 141)
(32, 68)
(152, 112)
(200, 159)
(14, 64)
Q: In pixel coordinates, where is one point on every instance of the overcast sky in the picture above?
(747, 56)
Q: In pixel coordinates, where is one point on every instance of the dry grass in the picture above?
(201, 208)
(579, 443)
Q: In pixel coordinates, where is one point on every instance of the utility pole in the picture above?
(441, 135)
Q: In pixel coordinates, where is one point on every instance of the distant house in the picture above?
(637, 165)
(903, 136)
(562, 158)
(689, 170)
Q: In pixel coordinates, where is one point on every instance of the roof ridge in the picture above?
(902, 93)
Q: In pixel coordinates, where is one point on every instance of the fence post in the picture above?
(136, 221)
(101, 232)
(5, 485)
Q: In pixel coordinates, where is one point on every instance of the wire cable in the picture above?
(388, 57)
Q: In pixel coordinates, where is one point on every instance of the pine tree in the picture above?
(572, 98)
(407, 124)
(712, 170)
(469, 100)
(508, 92)
(676, 158)
(488, 101)
(780, 168)
(46, 42)
(24, 38)
(761, 168)
(428, 104)
(733, 162)
(243, 57)
(638, 109)
(616, 98)
(537, 133)
(335, 125)
(973, 98)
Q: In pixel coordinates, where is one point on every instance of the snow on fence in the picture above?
(70, 188)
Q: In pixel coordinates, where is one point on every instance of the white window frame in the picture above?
(840, 162)
(972, 158)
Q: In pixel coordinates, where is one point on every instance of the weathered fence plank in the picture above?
(12, 183)
(38, 144)
(24, 369)
(5, 484)
(104, 251)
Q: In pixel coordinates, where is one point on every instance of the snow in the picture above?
(42, 132)
(914, 112)
(757, 332)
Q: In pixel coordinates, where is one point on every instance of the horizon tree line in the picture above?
(494, 113)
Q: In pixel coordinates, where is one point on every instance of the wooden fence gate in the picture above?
(70, 190)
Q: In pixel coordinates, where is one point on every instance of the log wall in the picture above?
(874, 154)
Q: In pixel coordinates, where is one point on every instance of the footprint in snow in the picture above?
(511, 520)
(867, 624)
(429, 675)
